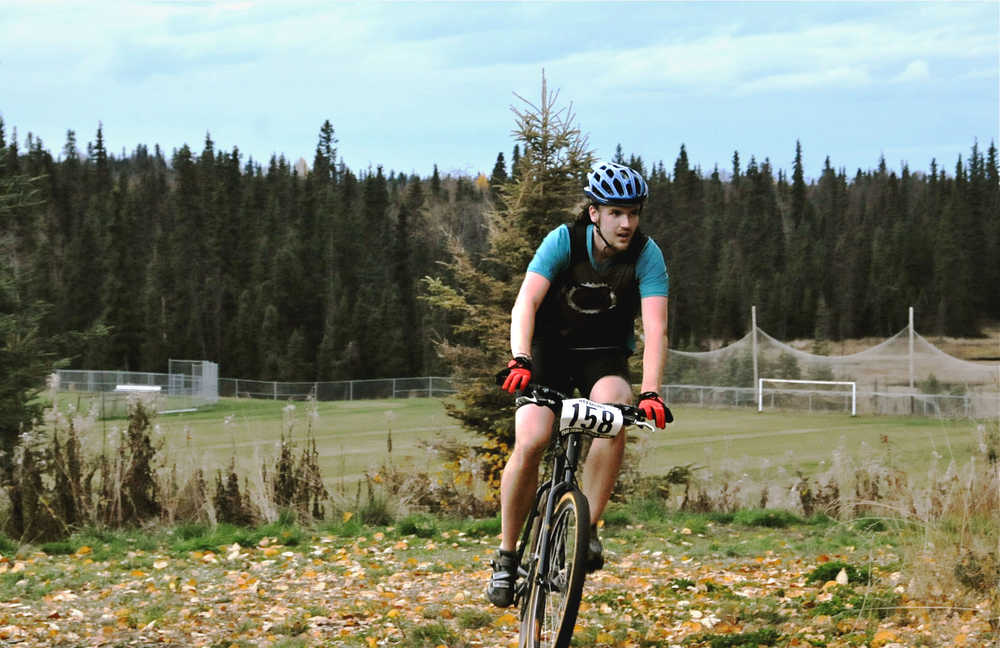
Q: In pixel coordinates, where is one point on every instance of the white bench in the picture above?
(137, 388)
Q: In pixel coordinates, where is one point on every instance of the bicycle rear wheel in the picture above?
(553, 599)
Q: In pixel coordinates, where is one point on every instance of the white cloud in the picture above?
(915, 71)
(849, 53)
(838, 77)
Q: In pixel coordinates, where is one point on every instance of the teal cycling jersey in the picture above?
(592, 305)
(553, 256)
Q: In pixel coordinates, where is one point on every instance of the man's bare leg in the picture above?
(605, 457)
(533, 426)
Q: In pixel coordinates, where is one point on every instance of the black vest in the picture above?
(586, 308)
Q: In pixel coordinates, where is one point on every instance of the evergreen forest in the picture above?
(292, 271)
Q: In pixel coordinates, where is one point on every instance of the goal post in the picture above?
(853, 385)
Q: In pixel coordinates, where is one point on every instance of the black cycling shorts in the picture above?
(564, 370)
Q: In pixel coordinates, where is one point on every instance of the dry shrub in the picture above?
(57, 484)
(68, 474)
(460, 489)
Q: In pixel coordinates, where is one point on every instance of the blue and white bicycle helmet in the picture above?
(609, 183)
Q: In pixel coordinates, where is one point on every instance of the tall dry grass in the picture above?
(72, 471)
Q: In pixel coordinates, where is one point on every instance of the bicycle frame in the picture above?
(536, 553)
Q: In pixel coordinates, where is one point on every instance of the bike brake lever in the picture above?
(535, 400)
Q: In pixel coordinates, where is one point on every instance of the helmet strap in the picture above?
(608, 246)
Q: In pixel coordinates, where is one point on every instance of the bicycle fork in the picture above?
(564, 465)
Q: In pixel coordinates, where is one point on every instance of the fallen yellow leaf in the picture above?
(882, 637)
(347, 518)
(83, 551)
(504, 620)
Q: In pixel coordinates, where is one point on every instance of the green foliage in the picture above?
(682, 583)
(59, 548)
(7, 546)
(753, 639)
(428, 635)
(828, 572)
(472, 618)
(485, 527)
(201, 537)
(422, 526)
(766, 518)
(846, 603)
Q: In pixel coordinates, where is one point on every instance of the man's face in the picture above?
(617, 223)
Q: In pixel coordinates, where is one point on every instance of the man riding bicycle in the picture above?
(572, 326)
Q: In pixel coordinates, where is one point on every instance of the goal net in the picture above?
(814, 395)
(904, 374)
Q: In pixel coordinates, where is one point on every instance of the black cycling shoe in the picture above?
(500, 589)
(595, 552)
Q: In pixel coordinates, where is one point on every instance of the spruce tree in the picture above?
(436, 184)
(498, 177)
(477, 298)
(325, 160)
(26, 355)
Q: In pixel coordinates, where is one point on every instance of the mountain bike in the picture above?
(552, 549)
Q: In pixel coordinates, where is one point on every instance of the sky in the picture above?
(407, 85)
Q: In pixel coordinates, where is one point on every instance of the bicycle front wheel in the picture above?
(554, 596)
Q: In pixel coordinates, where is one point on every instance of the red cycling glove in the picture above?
(654, 409)
(517, 375)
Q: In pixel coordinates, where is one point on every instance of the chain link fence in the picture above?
(423, 387)
(200, 387)
(903, 403)
(190, 384)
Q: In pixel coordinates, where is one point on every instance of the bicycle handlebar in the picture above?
(535, 394)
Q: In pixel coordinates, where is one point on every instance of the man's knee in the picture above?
(611, 389)
(533, 431)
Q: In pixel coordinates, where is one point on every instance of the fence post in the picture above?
(274, 386)
(350, 387)
(753, 328)
(393, 387)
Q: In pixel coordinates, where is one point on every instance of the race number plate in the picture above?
(590, 417)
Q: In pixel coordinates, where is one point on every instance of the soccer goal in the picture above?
(809, 394)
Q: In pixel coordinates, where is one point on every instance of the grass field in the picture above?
(352, 437)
